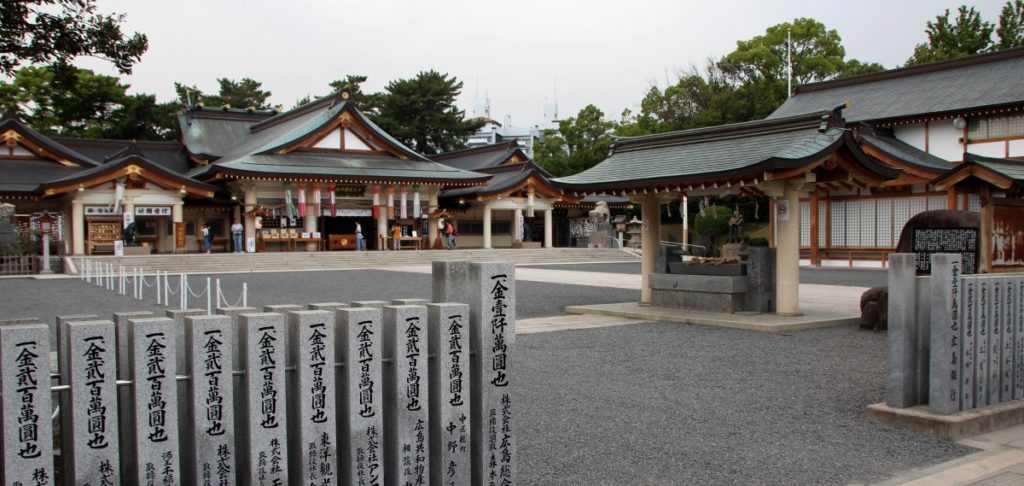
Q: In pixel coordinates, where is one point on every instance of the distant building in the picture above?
(494, 132)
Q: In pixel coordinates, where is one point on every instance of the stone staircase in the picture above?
(270, 262)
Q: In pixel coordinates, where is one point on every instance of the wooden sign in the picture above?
(179, 236)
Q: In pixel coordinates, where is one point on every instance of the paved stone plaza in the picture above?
(642, 403)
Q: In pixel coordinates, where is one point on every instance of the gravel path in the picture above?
(674, 404)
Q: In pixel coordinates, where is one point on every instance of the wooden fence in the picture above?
(361, 394)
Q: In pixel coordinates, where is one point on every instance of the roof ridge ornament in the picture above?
(834, 117)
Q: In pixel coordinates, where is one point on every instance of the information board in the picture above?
(962, 241)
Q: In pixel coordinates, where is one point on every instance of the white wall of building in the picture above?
(911, 134)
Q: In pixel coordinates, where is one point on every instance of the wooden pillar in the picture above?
(311, 220)
(951, 198)
(828, 221)
(432, 220)
(987, 215)
(487, 226)
(548, 227)
(249, 196)
(77, 228)
(815, 251)
(650, 240)
(787, 257)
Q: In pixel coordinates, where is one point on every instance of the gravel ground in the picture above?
(47, 299)
(673, 404)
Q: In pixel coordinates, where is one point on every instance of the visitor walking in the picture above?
(360, 241)
(207, 238)
(450, 231)
(236, 235)
(396, 235)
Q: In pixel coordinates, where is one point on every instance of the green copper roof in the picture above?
(1009, 168)
(256, 155)
(341, 166)
(709, 152)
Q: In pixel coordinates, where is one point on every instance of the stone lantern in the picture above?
(635, 228)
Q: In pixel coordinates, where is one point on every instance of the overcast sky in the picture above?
(602, 52)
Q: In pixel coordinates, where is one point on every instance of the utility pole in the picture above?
(789, 64)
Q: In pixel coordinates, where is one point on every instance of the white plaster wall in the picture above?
(911, 134)
(944, 140)
(1016, 148)
(988, 149)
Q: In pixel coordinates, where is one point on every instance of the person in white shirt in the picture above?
(236, 234)
(360, 241)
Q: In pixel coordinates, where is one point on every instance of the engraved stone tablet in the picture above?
(89, 416)
(264, 458)
(982, 327)
(492, 339)
(1018, 341)
(449, 281)
(449, 394)
(126, 425)
(360, 396)
(236, 364)
(944, 395)
(902, 335)
(995, 339)
(406, 414)
(154, 401)
(178, 316)
(1009, 303)
(209, 442)
(968, 364)
(25, 412)
(312, 390)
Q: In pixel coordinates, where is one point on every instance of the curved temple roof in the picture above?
(728, 151)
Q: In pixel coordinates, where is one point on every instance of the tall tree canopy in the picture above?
(57, 31)
(244, 93)
(579, 143)
(93, 105)
(421, 113)
(748, 83)
(969, 34)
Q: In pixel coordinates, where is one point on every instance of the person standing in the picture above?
(360, 241)
(450, 231)
(396, 235)
(207, 238)
(236, 235)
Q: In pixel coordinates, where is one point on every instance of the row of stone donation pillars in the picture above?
(956, 342)
(370, 393)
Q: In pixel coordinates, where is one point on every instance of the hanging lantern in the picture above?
(402, 200)
(302, 199)
(416, 201)
(376, 201)
(529, 202)
(334, 207)
(316, 199)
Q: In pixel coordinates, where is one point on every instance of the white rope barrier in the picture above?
(117, 279)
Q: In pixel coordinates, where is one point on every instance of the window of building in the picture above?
(999, 127)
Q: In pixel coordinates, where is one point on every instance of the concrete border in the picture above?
(967, 423)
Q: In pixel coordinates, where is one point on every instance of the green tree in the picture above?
(1011, 25)
(57, 31)
(758, 71)
(351, 84)
(421, 113)
(947, 39)
(579, 144)
(242, 94)
(93, 105)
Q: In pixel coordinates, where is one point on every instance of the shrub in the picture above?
(713, 222)
(757, 241)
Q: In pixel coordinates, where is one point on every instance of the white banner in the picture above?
(782, 209)
(351, 213)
